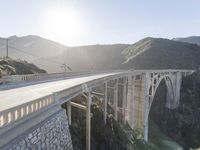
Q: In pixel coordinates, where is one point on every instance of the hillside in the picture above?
(92, 57)
(51, 55)
(148, 53)
(191, 39)
(13, 67)
(30, 47)
(156, 53)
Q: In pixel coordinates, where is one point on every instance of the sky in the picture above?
(86, 22)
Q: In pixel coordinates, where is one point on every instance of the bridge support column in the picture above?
(146, 104)
(124, 103)
(88, 121)
(105, 103)
(69, 112)
(178, 88)
(116, 99)
(173, 90)
(130, 101)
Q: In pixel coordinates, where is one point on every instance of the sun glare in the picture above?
(63, 23)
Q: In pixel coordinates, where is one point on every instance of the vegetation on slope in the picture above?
(13, 67)
(155, 53)
(114, 135)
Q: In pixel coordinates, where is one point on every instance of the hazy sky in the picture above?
(82, 22)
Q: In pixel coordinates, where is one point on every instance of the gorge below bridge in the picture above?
(31, 113)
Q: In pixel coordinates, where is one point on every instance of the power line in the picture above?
(19, 50)
(65, 67)
(22, 51)
(47, 59)
(50, 60)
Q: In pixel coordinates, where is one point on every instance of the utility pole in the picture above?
(6, 48)
(65, 67)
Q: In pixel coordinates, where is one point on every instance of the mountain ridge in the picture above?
(190, 39)
(148, 53)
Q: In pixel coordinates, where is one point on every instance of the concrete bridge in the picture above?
(31, 115)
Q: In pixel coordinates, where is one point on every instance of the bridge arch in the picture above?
(159, 104)
(173, 84)
(170, 96)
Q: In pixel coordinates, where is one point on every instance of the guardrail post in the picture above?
(105, 103)
(56, 97)
(12, 116)
(5, 118)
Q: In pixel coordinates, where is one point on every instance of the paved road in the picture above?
(15, 96)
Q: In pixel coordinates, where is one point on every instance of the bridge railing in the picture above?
(43, 76)
(31, 77)
(11, 115)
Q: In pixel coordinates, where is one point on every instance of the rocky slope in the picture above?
(13, 67)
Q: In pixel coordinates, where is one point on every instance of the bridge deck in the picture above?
(15, 96)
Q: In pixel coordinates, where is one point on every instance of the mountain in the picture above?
(86, 58)
(157, 53)
(30, 47)
(148, 53)
(51, 55)
(191, 39)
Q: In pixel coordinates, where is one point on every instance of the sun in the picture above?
(63, 23)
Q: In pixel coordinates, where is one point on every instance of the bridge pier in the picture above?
(69, 112)
(124, 103)
(130, 101)
(173, 83)
(88, 121)
(116, 99)
(178, 88)
(147, 83)
(105, 102)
